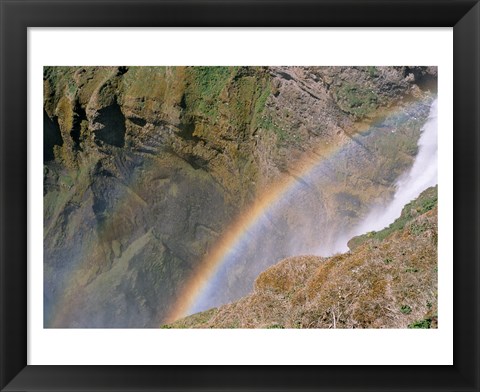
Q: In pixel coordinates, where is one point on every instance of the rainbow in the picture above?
(246, 224)
(224, 249)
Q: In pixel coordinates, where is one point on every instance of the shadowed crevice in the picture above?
(51, 136)
(113, 121)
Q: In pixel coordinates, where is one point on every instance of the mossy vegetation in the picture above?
(238, 94)
(421, 324)
(197, 320)
(424, 203)
(356, 99)
(405, 309)
(261, 101)
(204, 87)
(372, 71)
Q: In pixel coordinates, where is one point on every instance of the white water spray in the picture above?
(291, 225)
(422, 175)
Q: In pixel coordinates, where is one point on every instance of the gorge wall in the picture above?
(146, 168)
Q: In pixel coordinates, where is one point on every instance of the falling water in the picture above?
(422, 175)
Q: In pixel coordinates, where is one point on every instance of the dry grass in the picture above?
(384, 283)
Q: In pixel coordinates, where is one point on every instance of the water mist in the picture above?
(422, 175)
(301, 219)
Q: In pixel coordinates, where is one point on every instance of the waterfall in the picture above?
(297, 218)
(421, 176)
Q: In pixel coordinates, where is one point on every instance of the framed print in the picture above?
(239, 195)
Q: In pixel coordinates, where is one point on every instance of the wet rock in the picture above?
(148, 166)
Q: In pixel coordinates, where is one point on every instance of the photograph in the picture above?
(244, 196)
(240, 197)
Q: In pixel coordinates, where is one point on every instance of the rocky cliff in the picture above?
(146, 167)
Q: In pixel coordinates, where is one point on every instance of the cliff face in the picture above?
(388, 280)
(145, 167)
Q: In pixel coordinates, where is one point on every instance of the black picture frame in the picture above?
(17, 15)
